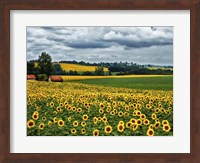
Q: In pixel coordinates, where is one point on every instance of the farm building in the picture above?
(31, 77)
(55, 78)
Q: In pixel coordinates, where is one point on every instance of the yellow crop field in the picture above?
(79, 68)
(76, 67)
(74, 109)
(71, 78)
(162, 68)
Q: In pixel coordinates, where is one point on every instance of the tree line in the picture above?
(43, 68)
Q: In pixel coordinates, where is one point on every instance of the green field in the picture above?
(153, 83)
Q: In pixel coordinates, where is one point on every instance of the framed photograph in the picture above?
(99, 81)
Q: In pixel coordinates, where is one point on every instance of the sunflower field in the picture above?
(75, 109)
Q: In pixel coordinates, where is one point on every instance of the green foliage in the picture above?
(42, 77)
(71, 72)
(99, 71)
(152, 83)
(45, 64)
(57, 70)
(31, 69)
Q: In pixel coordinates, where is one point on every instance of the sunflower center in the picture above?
(166, 127)
(150, 132)
(30, 123)
(108, 129)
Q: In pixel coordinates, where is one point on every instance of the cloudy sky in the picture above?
(143, 45)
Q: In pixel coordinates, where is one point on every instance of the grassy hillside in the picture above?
(149, 83)
(79, 68)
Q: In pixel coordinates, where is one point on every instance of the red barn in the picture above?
(55, 78)
(31, 77)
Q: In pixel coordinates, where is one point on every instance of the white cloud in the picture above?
(145, 45)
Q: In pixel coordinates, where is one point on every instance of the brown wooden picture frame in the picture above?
(7, 5)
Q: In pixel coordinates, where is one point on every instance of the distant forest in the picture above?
(44, 66)
(117, 68)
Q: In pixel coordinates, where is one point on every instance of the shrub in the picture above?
(42, 77)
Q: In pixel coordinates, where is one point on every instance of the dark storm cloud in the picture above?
(141, 44)
(86, 45)
(55, 39)
(146, 45)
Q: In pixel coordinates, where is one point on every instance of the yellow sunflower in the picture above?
(166, 128)
(108, 129)
(83, 124)
(151, 126)
(44, 118)
(69, 119)
(138, 113)
(73, 131)
(120, 127)
(96, 132)
(165, 122)
(30, 123)
(61, 123)
(35, 116)
(142, 116)
(128, 124)
(146, 122)
(85, 117)
(153, 116)
(79, 110)
(50, 123)
(133, 121)
(139, 122)
(104, 119)
(101, 105)
(157, 124)
(75, 124)
(74, 109)
(120, 113)
(51, 104)
(58, 109)
(41, 126)
(121, 122)
(36, 112)
(135, 126)
(112, 113)
(83, 131)
(101, 111)
(95, 119)
(150, 132)
(55, 120)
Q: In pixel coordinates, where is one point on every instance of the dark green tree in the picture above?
(57, 69)
(31, 67)
(45, 64)
(99, 71)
